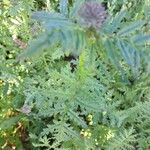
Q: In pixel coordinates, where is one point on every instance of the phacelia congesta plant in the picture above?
(92, 14)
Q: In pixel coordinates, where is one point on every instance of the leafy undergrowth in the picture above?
(74, 75)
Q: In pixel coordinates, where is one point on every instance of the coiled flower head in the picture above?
(92, 14)
(26, 109)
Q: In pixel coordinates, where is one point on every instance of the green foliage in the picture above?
(58, 29)
(123, 141)
(87, 88)
(63, 7)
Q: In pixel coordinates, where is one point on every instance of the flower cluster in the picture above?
(92, 14)
(26, 109)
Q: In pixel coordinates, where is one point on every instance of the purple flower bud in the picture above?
(26, 109)
(92, 14)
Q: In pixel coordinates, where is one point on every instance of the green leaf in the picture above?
(36, 46)
(73, 40)
(47, 16)
(6, 88)
(122, 141)
(141, 38)
(63, 7)
(75, 8)
(115, 24)
(9, 122)
(76, 118)
(130, 55)
(147, 10)
(52, 20)
(58, 24)
(132, 27)
(110, 49)
(126, 52)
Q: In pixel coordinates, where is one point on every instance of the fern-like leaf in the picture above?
(63, 7)
(131, 27)
(74, 116)
(141, 38)
(123, 141)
